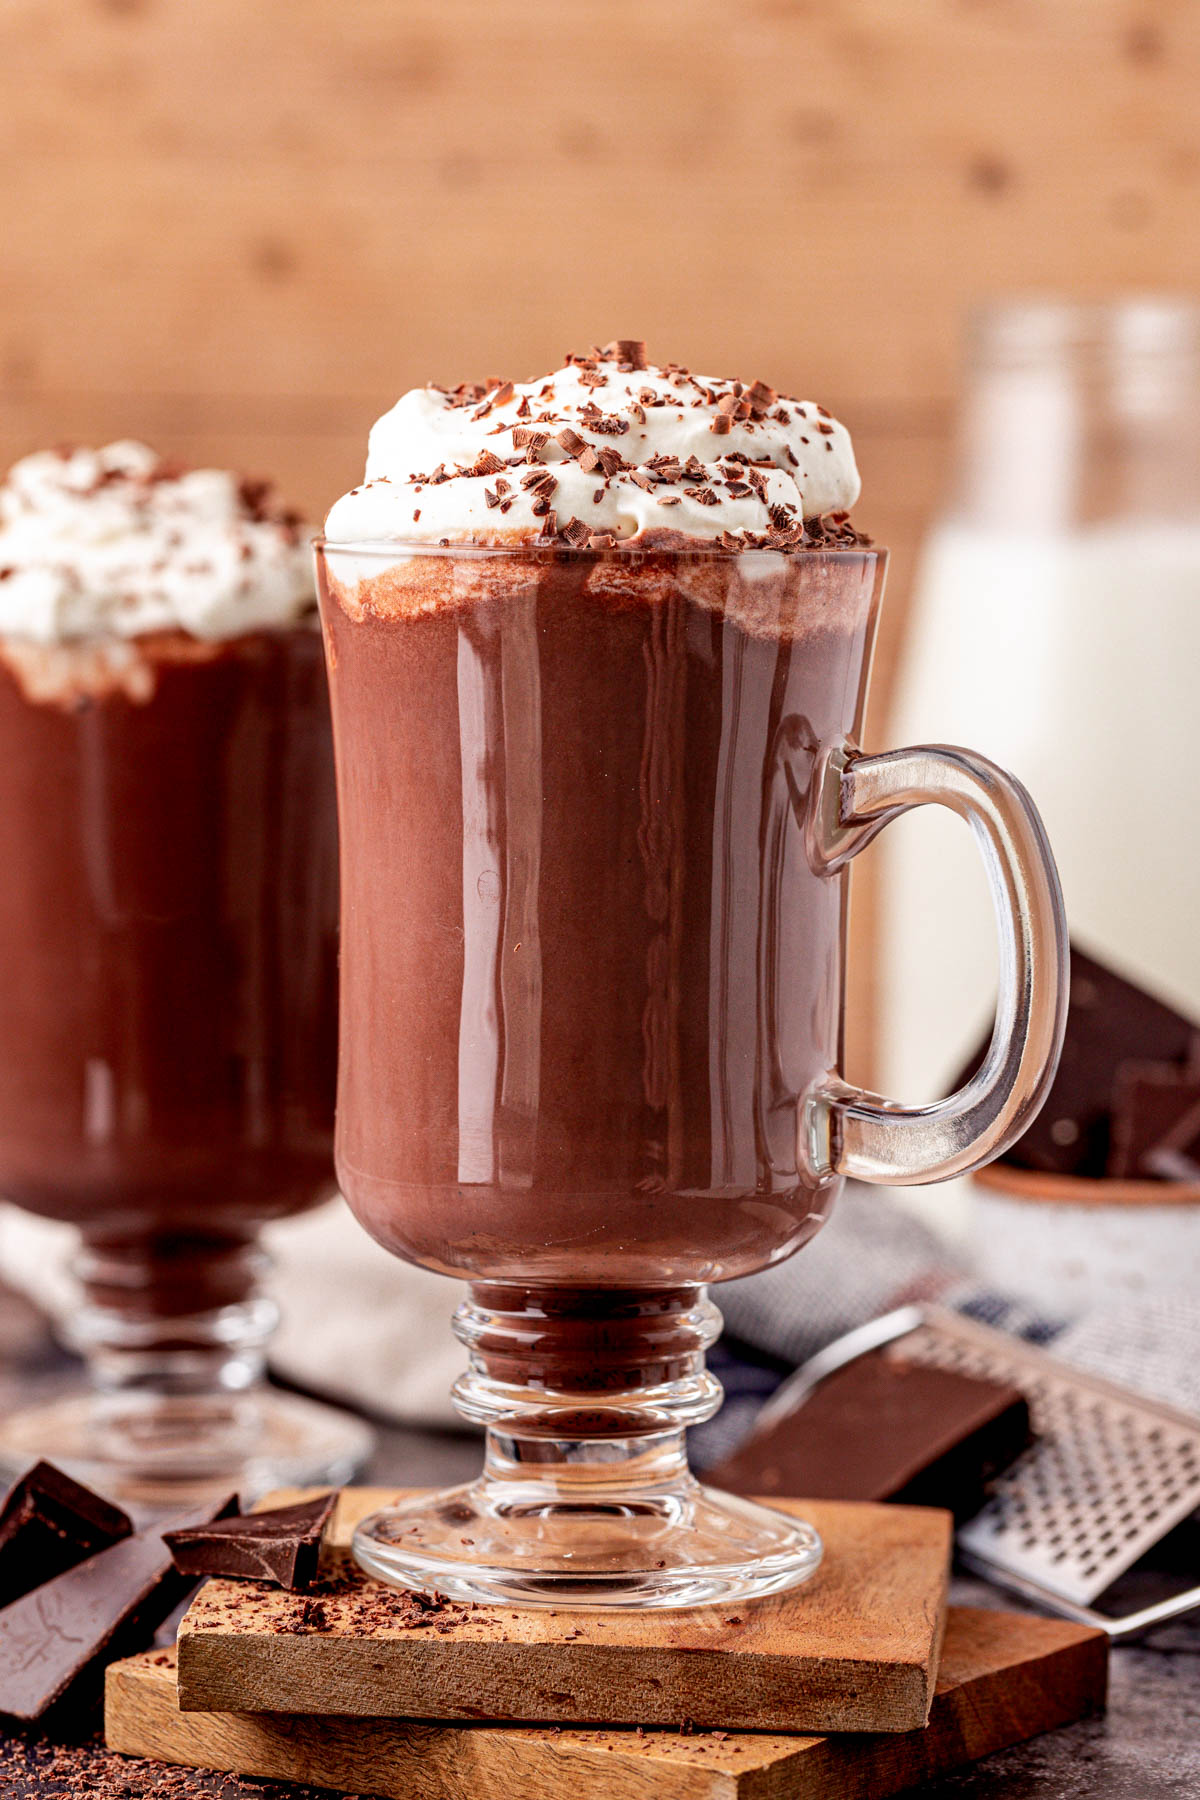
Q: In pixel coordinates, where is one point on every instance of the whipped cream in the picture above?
(605, 449)
(117, 543)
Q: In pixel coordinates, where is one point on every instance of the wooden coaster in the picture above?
(1003, 1678)
(854, 1649)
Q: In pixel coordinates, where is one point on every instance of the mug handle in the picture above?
(844, 1130)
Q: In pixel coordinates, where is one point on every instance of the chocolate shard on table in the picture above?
(55, 1641)
(48, 1524)
(1110, 1022)
(282, 1546)
(881, 1428)
(1151, 1101)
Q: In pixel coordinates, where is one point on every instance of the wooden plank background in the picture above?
(239, 230)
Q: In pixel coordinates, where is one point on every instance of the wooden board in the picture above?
(1003, 1678)
(855, 1649)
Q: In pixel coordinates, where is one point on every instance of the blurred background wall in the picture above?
(240, 230)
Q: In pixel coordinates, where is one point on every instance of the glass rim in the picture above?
(396, 548)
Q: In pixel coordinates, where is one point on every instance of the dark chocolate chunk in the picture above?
(1149, 1101)
(1177, 1157)
(48, 1524)
(884, 1429)
(55, 1641)
(283, 1546)
(1110, 1021)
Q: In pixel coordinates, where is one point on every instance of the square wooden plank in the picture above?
(855, 1649)
(1003, 1678)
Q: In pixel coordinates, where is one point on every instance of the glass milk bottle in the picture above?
(1056, 626)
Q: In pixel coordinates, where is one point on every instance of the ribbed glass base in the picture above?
(176, 1410)
(154, 1452)
(585, 1497)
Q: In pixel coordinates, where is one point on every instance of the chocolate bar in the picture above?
(1149, 1102)
(1110, 1022)
(48, 1523)
(283, 1546)
(884, 1429)
(54, 1640)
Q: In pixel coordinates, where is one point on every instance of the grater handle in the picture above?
(845, 1130)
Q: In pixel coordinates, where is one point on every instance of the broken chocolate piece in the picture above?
(1177, 1157)
(55, 1641)
(283, 1546)
(885, 1429)
(1110, 1021)
(48, 1524)
(1149, 1101)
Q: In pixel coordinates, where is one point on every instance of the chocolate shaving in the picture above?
(601, 540)
(643, 480)
(502, 394)
(571, 441)
(487, 463)
(608, 460)
(722, 424)
(629, 352)
(575, 533)
(532, 442)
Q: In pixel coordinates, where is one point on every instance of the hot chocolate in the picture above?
(168, 922)
(598, 649)
(168, 956)
(586, 974)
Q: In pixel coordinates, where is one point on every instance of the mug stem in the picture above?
(585, 1496)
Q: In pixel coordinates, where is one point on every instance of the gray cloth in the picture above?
(870, 1257)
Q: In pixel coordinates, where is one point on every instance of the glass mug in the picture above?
(168, 979)
(596, 811)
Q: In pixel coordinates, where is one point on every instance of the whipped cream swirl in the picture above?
(117, 543)
(605, 449)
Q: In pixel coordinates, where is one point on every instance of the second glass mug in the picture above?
(596, 811)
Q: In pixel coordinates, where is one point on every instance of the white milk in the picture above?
(1072, 659)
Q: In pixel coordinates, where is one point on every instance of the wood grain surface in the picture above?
(855, 1649)
(1003, 1678)
(241, 231)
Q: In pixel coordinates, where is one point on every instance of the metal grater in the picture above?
(1110, 1474)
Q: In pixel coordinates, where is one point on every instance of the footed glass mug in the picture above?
(596, 811)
